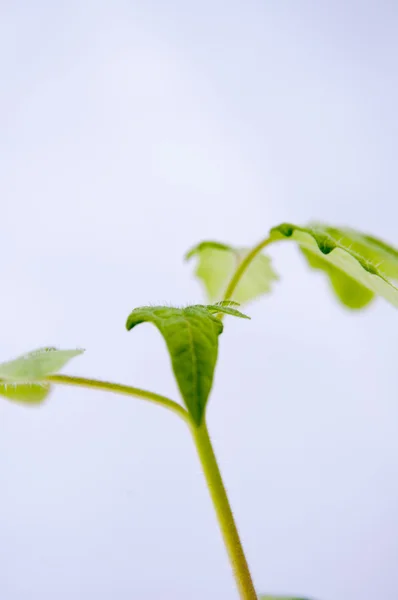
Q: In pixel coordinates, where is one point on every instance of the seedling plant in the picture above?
(359, 268)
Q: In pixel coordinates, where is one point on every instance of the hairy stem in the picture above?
(209, 465)
(223, 511)
(118, 388)
(241, 269)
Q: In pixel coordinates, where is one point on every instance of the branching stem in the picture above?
(118, 388)
(237, 276)
(209, 465)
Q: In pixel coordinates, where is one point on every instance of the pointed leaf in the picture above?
(191, 335)
(359, 266)
(217, 264)
(222, 307)
(25, 393)
(36, 365)
(227, 303)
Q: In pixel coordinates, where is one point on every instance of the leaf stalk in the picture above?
(118, 388)
(243, 266)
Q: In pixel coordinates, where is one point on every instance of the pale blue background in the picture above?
(129, 131)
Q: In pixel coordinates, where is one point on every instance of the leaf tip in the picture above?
(190, 253)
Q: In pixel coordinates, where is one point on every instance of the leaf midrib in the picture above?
(194, 360)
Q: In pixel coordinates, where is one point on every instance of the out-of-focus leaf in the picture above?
(350, 293)
(25, 393)
(359, 266)
(216, 264)
(36, 365)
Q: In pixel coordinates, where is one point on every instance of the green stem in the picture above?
(210, 468)
(237, 276)
(223, 511)
(118, 388)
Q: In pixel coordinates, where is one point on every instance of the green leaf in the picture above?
(191, 335)
(227, 303)
(36, 365)
(352, 294)
(359, 266)
(21, 379)
(25, 393)
(226, 308)
(217, 264)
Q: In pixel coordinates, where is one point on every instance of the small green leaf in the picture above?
(226, 308)
(36, 365)
(191, 335)
(358, 266)
(25, 393)
(217, 264)
(227, 303)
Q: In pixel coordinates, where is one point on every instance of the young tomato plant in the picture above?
(359, 268)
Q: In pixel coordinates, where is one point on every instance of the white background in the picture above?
(128, 132)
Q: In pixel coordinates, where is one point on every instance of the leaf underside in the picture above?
(216, 264)
(191, 336)
(359, 267)
(21, 379)
(25, 393)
